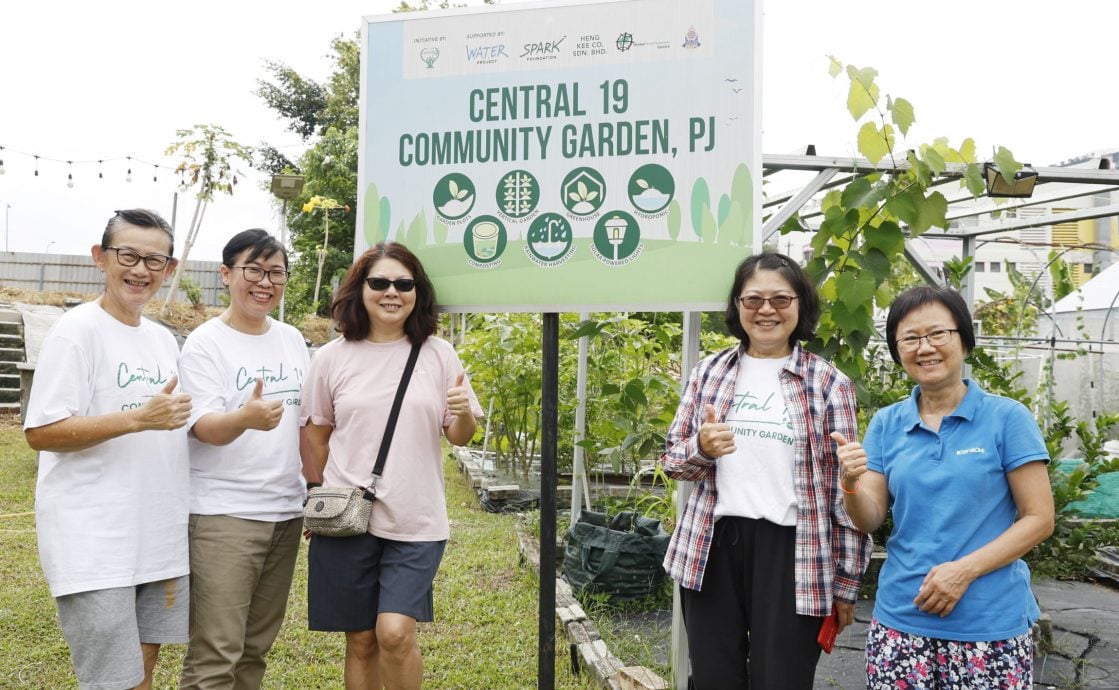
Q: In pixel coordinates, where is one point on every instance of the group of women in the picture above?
(772, 543)
(155, 464)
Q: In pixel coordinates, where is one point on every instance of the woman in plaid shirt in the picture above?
(764, 550)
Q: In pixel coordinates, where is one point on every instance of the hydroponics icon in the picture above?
(549, 237)
(517, 194)
(453, 196)
(616, 235)
(584, 191)
(485, 239)
(651, 188)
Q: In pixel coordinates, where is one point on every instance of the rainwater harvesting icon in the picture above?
(549, 237)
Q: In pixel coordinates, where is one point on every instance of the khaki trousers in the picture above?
(240, 574)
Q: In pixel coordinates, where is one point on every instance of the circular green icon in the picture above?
(518, 192)
(485, 239)
(453, 196)
(583, 191)
(651, 188)
(616, 235)
(549, 237)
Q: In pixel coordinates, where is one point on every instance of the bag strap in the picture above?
(390, 427)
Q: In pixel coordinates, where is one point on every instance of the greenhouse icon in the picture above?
(584, 190)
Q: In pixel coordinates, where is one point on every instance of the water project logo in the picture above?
(624, 41)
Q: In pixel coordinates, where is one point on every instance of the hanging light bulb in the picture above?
(155, 173)
(100, 174)
(70, 174)
(128, 177)
(2, 170)
(36, 166)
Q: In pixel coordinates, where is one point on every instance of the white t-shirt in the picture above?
(756, 480)
(257, 475)
(351, 388)
(114, 515)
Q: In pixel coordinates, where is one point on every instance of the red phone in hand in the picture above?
(828, 630)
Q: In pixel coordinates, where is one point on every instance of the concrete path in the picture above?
(1084, 618)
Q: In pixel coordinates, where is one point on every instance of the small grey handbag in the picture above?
(344, 512)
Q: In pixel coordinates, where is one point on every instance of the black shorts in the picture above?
(351, 580)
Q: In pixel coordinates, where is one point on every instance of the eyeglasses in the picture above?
(381, 284)
(129, 258)
(753, 302)
(255, 274)
(912, 343)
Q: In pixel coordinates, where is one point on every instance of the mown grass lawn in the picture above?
(484, 637)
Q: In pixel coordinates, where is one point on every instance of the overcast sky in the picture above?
(85, 81)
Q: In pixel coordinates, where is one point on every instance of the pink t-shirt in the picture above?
(351, 386)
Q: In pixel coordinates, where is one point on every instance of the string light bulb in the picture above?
(155, 173)
(36, 166)
(128, 176)
(70, 174)
(2, 170)
(100, 173)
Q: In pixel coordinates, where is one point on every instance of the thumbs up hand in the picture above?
(852, 461)
(165, 410)
(261, 414)
(715, 437)
(458, 399)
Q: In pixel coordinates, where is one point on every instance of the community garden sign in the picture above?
(575, 156)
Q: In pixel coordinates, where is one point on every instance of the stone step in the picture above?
(8, 395)
(11, 328)
(10, 339)
(7, 408)
(9, 381)
(11, 354)
(9, 368)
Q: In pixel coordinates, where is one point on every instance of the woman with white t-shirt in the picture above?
(111, 499)
(244, 371)
(764, 550)
(376, 586)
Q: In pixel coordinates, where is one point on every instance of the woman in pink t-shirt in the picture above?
(376, 586)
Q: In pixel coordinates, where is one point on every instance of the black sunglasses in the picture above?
(401, 284)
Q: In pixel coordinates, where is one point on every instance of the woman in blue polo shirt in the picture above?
(964, 473)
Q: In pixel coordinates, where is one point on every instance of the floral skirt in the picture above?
(900, 661)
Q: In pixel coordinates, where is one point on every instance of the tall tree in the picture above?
(326, 116)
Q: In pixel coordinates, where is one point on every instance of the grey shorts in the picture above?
(351, 580)
(105, 627)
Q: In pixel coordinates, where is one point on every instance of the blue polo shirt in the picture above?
(950, 496)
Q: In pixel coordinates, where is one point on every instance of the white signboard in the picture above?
(565, 157)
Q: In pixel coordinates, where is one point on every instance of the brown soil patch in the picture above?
(181, 316)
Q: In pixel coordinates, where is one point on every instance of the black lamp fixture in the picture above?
(1021, 188)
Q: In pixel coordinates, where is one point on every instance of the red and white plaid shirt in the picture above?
(831, 554)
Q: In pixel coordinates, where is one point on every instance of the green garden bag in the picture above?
(621, 559)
